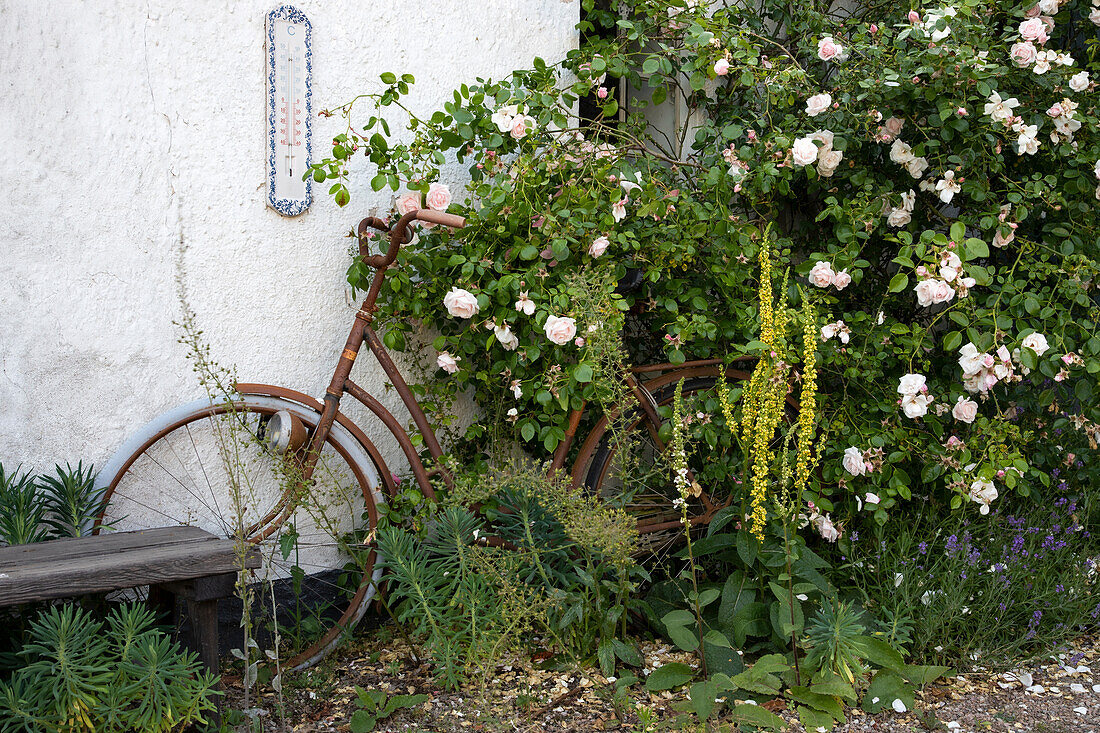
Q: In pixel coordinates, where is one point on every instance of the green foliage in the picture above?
(376, 705)
(22, 509)
(72, 500)
(833, 636)
(695, 200)
(1003, 587)
(537, 556)
(79, 675)
(38, 508)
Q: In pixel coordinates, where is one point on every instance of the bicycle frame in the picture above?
(363, 332)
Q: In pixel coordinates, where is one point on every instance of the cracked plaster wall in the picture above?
(131, 127)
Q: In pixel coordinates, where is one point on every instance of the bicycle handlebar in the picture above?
(400, 233)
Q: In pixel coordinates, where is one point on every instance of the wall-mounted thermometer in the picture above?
(289, 110)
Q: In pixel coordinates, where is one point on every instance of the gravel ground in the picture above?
(1058, 693)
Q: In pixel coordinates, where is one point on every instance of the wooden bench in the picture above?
(184, 562)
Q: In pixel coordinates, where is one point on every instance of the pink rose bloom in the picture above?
(1023, 53)
(408, 203)
(520, 126)
(439, 197)
(598, 247)
(447, 363)
(560, 330)
(1034, 30)
(914, 16)
(822, 275)
(602, 92)
(1033, 11)
(461, 303)
(828, 49)
(893, 126)
(1001, 241)
(965, 410)
(932, 291)
(721, 67)
(842, 279)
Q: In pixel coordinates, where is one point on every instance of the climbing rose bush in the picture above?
(929, 176)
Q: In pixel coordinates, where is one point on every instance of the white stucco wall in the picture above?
(129, 127)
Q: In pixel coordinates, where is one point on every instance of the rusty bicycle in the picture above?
(243, 464)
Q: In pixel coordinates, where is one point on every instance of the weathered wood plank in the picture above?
(102, 544)
(92, 572)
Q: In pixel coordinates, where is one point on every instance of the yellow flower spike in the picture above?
(808, 399)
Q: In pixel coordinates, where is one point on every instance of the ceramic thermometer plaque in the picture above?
(289, 110)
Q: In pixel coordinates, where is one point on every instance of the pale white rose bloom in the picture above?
(818, 103)
(983, 492)
(826, 528)
(965, 410)
(917, 166)
(502, 118)
(828, 162)
(841, 279)
(447, 362)
(560, 329)
(871, 498)
(506, 338)
(804, 151)
(1001, 109)
(461, 303)
(1037, 342)
(525, 304)
(915, 405)
(1096, 169)
(618, 211)
(947, 187)
(828, 331)
(970, 359)
(1079, 82)
(1028, 142)
(853, 461)
(911, 384)
(899, 217)
(1094, 16)
(901, 153)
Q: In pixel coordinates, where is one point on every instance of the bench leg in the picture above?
(204, 621)
(162, 602)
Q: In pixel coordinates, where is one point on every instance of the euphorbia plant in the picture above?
(932, 176)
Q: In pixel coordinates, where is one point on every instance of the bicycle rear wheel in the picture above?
(627, 466)
(208, 465)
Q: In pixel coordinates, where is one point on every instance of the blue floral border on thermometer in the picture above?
(288, 206)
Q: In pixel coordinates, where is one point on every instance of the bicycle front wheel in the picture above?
(209, 465)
